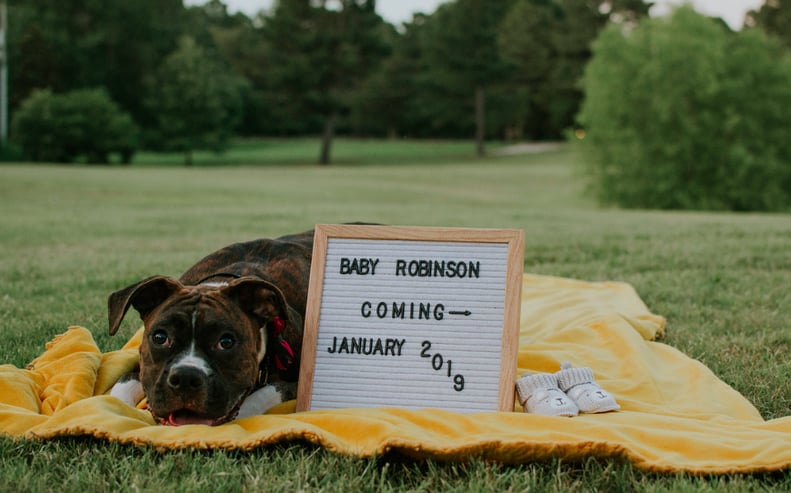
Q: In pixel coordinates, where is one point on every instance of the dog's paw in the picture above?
(260, 401)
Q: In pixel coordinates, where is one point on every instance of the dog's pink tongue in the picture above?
(181, 418)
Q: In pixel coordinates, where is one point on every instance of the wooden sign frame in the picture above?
(349, 379)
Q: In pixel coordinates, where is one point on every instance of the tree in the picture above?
(548, 42)
(774, 17)
(196, 101)
(683, 113)
(462, 54)
(236, 40)
(71, 44)
(319, 57)
(529, 39)
(385, 101)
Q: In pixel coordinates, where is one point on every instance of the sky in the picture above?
(398, 11)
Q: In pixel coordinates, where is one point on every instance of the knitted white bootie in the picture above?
(579, 385)
(539, 394)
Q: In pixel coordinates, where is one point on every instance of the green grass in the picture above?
(71, 235)
(306, 152)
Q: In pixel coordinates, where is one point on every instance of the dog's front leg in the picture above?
(265, 399)
(129, 389)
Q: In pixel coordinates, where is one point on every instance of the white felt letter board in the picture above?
(413, 318)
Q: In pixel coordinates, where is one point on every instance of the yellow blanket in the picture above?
(675, 414)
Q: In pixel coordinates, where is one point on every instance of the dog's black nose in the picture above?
(186, 379)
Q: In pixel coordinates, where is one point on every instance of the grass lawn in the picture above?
(70, 235)
(306, 152)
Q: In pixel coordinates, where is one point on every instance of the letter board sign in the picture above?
(412, 317)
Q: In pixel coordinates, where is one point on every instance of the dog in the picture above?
(223, 341)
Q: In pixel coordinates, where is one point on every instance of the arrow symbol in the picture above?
(466, 313)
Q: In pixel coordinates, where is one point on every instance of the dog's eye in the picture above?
(159, 337)
(226, 342)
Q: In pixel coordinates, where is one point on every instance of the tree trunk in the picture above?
(326, 141)
(480, 121)
(188, 157)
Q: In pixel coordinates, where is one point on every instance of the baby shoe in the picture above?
(579, 385)
(539, 394)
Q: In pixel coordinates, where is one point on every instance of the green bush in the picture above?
(681, 113)
(10, 153)
(85, 124)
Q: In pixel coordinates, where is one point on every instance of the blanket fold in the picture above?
(676, 415)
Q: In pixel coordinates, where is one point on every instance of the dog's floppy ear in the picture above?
(258, 297)
(144, 296)
(266, 302)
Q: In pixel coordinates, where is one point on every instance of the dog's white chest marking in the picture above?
(260, 402)
(264, 342)
(129, 391)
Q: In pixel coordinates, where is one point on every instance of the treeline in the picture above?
(190, 77)
(678, 112)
